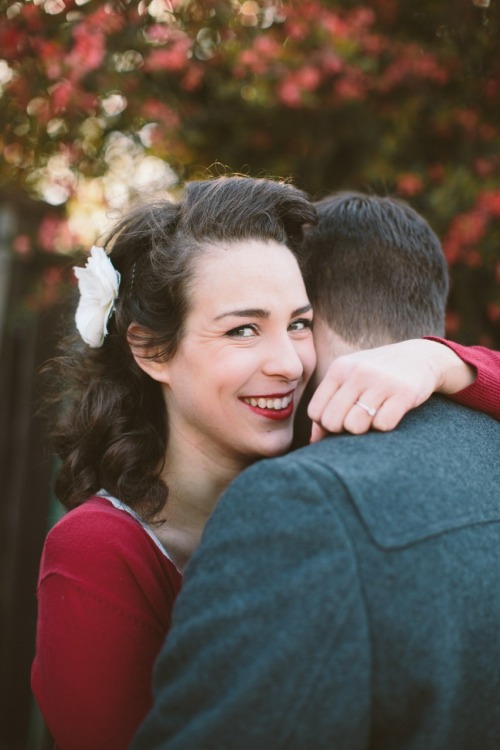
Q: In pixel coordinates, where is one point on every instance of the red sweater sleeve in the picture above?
(484, 393)
(105, 597)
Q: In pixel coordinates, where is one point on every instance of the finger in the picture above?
(334, 413)
(365, 408)
(323, 396)
(317, 433)
(391, 412)
(359, 420)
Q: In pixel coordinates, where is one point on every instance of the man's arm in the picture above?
(269, 646)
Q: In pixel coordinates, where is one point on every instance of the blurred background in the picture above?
(101, 101)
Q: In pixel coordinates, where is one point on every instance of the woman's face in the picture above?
(247, 352)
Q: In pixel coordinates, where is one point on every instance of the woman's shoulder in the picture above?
(97, 536)
(102, 555)
(93, 521)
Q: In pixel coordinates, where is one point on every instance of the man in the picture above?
(347, 595)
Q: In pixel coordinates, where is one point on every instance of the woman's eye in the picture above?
(243, 332)
(301, 325)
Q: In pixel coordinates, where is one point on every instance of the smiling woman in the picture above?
(197, 348)
(249, 324)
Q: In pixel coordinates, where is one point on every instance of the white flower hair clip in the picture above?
(98, 283)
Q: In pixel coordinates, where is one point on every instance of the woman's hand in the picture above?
(375, 388)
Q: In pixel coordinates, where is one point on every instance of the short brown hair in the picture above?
(375, 270)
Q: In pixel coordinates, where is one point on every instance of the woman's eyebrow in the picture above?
(302, 310)
(252, 312)
(257, 312)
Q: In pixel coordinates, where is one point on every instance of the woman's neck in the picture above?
(195, 483)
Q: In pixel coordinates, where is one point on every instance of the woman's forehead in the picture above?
(247, 274)
(242, 253)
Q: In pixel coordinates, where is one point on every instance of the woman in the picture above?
(205, 357)
(198, 348)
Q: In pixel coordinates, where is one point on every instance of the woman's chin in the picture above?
(276, 448)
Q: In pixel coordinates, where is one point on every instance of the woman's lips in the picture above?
(272, 406)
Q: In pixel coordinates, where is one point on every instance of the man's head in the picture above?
(376, 274)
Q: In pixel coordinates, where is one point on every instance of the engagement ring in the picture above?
(369, 409)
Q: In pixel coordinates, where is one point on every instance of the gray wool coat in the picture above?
(346, 596)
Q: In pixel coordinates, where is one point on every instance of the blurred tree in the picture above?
(380, 96)
(100, 101)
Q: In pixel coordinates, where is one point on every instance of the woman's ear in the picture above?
(146, 356)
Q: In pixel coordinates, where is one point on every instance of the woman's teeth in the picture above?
(269, 403)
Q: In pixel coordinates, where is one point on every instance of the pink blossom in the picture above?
(50, 55)
(22, 245)
(158, 33)
(489, 201)
(193, 78)
(374, 45)
(173, 59)
(152, 109)
(493, 311)
(308, 78)
(483, 167)
(296, 30)
(13, 42)
(289, 93)
(54, 234)
(409, 184)
(351, 85)
(363, 17)
(31, 14)
(60, 96)
(267, 46)
(335, 25)
(105, 19)
(451, 248)
(250, 58)
(331, 63)
(88, 52)
(470, 227)
(50, 291)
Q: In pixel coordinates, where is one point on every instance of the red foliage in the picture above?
(54, 234)
(335, 94)
(155, 110)
(469, 229)
(409, 185)
(87, 53)
(172, 59)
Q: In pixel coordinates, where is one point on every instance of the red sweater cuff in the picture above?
(484, 393)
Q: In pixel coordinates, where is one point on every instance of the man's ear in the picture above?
(146, 356)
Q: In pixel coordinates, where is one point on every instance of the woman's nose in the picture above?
(282, 359)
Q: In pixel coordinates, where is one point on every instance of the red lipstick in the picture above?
(276, 414)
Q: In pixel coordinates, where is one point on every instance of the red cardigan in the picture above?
(105, 597)
(484, 393)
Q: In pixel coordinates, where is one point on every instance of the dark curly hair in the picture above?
(110, 427)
